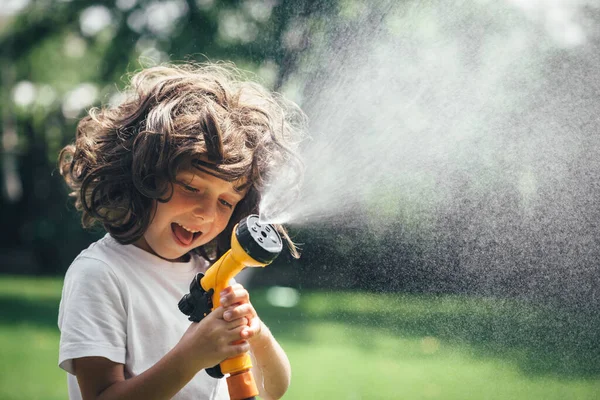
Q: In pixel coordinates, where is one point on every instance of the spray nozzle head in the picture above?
(260, 241)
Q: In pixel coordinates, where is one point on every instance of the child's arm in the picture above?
(204, 345)
(272, 368)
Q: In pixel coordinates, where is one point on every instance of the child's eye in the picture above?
(190, 189)
(226, 203)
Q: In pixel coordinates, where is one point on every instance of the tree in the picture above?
(60, 58)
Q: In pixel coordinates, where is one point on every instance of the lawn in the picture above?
(358, 346)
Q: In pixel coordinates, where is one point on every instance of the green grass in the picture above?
(359, 346)
(29, 340)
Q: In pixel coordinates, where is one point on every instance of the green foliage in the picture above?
(58, 60)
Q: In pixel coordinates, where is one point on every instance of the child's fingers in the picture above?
(234, 294)
(217, 312)
(253, 330)
(239, 348)
(231, 343)
(240, 322)
(238, 311)
(234, 336)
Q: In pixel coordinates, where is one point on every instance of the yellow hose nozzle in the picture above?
(252, 245)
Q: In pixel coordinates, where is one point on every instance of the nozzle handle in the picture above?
(197, 304)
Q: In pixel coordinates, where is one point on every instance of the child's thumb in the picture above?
(218, 312)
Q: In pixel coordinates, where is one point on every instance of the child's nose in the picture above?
(205, 210)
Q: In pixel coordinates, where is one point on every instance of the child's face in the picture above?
(198, 211)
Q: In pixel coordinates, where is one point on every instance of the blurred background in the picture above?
(449, 222)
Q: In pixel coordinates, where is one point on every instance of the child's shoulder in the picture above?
(104, 250)
(98, 259)
(107, 263)
(108, 256)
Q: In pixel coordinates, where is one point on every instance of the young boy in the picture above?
(168, 173)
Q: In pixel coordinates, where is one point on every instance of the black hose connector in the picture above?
(198, 302)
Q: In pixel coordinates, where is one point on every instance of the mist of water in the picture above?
(476, 121)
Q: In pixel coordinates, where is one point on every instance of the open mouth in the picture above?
(184, 234)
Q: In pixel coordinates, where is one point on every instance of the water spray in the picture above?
(253, 244)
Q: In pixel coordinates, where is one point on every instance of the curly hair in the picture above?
(174, 118)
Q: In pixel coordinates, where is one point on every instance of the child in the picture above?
(168, 173)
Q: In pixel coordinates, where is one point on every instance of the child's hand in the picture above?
(212, 340)
(236, 302)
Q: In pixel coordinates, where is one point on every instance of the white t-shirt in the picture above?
(120, 302)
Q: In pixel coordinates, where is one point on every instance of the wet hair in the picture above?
(175, 118)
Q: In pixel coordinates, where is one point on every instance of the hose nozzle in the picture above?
(259, 241)
(253, 244)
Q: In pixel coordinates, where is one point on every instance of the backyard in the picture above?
(346, 345)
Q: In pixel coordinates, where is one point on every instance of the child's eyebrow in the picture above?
(242, 187)
(187, 178)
